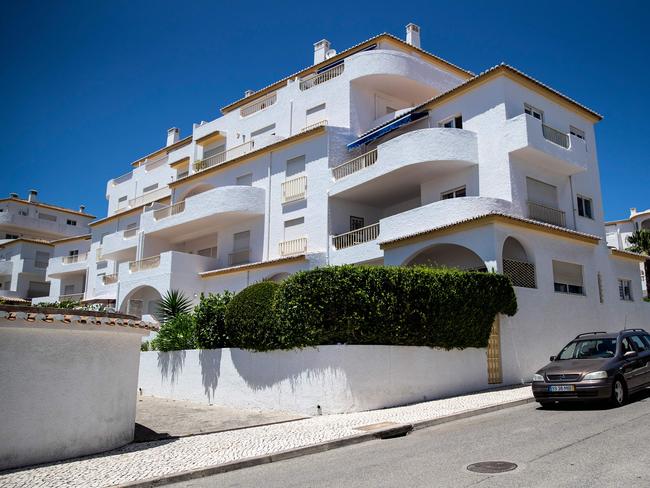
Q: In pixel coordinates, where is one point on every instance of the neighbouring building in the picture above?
(382, 153)
(619, 230)
(28, 231)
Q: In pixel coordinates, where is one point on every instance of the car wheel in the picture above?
(619, 393)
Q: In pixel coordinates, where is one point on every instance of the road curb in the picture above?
(385, 433)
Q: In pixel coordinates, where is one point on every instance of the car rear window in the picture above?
(589, 349)
(639, 343)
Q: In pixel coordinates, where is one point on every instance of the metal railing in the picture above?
(144, 264)
(110, 279)
(72, 297)
(543, 213)
(239, 257)
(555, 136)
(122, 179)
(357, 236)
(148, 197)
(521, 273)
(258, 105)
(320, 123)
(293, 246)
(77, 258)
(294, 189)
(319, 78)
(354, 165)
(168, 211)
(224, 156)
(128, 233)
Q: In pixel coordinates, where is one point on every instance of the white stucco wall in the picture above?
(340, 378)
(66, 392)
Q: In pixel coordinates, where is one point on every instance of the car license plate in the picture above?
(556, 388)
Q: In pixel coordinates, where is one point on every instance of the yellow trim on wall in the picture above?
(629, 255)
(110, 218)
(248, 267)
(180, 163)
(210, 138)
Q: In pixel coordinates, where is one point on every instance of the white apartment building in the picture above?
(618, 231)
(28, 231)
(380, 154)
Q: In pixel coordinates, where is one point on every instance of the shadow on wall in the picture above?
(171, 364)
(210, 360)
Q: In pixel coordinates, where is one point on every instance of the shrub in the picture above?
(173, 304)
(415, 306)
(250, 320)
(209, 316)
(71, 304)
(176, 334)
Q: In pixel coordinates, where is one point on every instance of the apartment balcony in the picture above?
(258, 105)
(316, 79)
(206, 211)
(165, 270)
(527, 138)
(110, 279)
(292, 247)
(222, 157)
(62, 265)
(143, 199)
(544, 213)
(356, 246)
(120, 245)
(398, 166)
(294, 189)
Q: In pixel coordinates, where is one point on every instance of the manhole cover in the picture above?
(492, 467)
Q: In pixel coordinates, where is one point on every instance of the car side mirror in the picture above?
(630, 354)
(551, 359)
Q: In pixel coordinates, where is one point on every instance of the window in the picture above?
(214, 151)
(639, 343)
(295, 166)
(182, 174)
(71, 222)
(102, 265)
(577, 133)
(533, 112)
(241, 241)
(453, 122)
(601, 295)
(625, 290)
(541, 193)
(245, 180)
(74, 253)
(567, 278)
(263, 130)
(48, 217)
(24, 213)
(356, 223)
(41, 259)
(122, 199)
(149, 188)
(68, 290)
(455, 193)
(313, 110)
(585, 206)
(626, 346)
(208, 252)
(11, 236)
(294, 229)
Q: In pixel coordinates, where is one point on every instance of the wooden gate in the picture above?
(495, 373)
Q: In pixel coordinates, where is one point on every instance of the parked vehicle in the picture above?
(596, 366)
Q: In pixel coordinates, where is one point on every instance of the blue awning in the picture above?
(376, 134)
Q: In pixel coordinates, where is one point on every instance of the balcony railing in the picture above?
(555, 136)
(316, 80)
(294, 189)
(77, 258)
(110, 279)
(169, 211)
(258, 105)
(128, 233)
(543, 213)
(239, 257)
(354, 165)
(224, 156)
(293, 246)
(357, 236)
(144, 264)
(520, 273)
(148, 197)
(122, 179)
(72, 297)
(320, 123)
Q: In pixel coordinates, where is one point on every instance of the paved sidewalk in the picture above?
(152, 459)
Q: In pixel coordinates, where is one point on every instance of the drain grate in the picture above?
(492, 467)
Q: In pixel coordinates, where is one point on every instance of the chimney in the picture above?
(248, 93)
(413, 35)
(13, 195)
(320, 48)
(32, 196)
(82, 208)
(173, 135)
(632, 211)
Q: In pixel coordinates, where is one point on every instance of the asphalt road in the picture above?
(568, 447)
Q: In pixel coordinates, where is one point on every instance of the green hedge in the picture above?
(250, 320)
(210, 318)
(415, 306)
(176, 334)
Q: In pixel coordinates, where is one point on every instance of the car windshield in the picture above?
(589, 349)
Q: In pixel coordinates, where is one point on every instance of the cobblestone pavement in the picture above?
(147, 460)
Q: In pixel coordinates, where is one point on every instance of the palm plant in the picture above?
(173, 304)
(640, 242)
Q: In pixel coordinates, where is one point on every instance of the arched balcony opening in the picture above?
(517, 265)
(447, 256)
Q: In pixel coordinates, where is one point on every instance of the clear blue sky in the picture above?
(90, 86)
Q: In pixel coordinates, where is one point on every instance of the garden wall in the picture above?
(341, 378)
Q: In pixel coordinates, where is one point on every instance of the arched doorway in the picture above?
(142, 302)
(517, 265)
(447, 256)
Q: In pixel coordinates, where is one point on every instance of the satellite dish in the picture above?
(330, 53)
